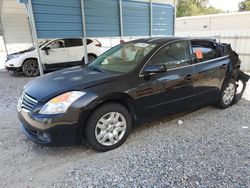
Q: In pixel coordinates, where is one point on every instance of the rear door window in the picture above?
(204, 51)
(75, 42)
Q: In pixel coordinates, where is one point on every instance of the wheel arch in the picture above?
(92, 54)
(29, 58)
(120, 98)
(232, 73)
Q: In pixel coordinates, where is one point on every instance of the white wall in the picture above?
(225, 21)
(15, 25)
(233, 28)
(2, 53)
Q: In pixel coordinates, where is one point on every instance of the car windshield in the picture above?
(122, 58)
(41, 43)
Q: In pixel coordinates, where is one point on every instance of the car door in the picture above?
(210, 70)
(172, 91)
(55, 52)
(76, 50)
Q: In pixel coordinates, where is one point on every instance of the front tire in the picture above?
(108, 127)
(227, 94)
(30, 68)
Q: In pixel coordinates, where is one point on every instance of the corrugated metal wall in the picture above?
(102, 18)
(63, 18)
(163, 19)
(57, 18)
(136, 18)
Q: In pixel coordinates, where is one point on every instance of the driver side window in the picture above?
(173, 55)
(57, 44)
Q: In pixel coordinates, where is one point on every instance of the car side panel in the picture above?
(166, 93)
(75, 53)
(208, 79)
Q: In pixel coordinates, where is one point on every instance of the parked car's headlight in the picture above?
(9, 57)
(61, 103)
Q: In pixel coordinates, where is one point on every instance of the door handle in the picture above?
(188, 77)
(224, 66)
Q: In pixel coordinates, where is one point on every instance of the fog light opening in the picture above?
(43, 136)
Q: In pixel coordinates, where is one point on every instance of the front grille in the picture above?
(27, 102)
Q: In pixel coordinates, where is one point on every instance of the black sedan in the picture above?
(131, 83)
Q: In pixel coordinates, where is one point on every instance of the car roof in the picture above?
(164, 40)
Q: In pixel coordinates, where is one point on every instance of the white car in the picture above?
(55, 54)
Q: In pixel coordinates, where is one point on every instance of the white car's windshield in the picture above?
(122, 58)
(41, 43)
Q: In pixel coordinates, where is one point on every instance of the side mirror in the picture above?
(46, 49)
(154, 69)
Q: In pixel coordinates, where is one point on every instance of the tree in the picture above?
(195, 7)
(244, 5)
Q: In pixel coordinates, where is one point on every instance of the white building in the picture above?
(232, 28)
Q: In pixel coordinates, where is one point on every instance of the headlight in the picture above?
(9, 57)
(61, 103)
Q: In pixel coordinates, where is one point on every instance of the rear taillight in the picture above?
(99, 44)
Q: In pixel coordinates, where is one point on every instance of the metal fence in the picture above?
(239, 40)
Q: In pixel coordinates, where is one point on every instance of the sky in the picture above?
(226, 5)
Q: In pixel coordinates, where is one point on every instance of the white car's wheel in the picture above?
(30, 68)
(90, 58)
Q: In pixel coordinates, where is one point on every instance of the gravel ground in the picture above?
(210, 149)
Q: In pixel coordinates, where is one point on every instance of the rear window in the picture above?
(89, 41)
(75, 42)
(204, 51)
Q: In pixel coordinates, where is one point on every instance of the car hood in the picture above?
(10, 56)
(76, 78)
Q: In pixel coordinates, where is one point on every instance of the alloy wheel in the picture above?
(228, 94)
(91, 58)
(110, 128)
(31, 68)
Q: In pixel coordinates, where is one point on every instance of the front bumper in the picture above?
(13, 69)
(50, 130)
(13, 65)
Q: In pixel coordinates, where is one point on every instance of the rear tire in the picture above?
(90, 58)
(108, 127)
(227, 94)
(30, 68)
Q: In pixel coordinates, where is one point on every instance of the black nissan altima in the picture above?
(129, 84)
